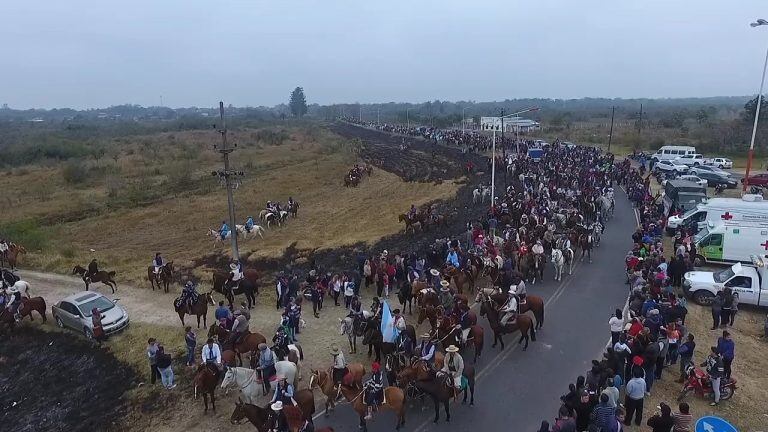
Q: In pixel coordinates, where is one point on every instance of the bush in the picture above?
(74, 172)
(26, 233)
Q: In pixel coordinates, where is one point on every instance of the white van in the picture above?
(670, 152)
(749, 208)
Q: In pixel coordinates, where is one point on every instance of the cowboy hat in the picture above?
(452, 349)
(434, 272)
(445, 289)
(426, 336)
(262, 346)
(233, 266)
(445, 283)
(513, 289)
(312, 272)
(277, 406)
(334, 349)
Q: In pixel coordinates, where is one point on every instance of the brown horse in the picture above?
(351, 181)
(324, 381)
(394, 400)
(107, 278)
(255, 414)
(248, 286)
(440, 387)
(249, 342)
(13, 254)
(205, 380)
(164, 277)
(461, 278)
(428, 313)
(424, 295)
(32, 304)
(410, 223)
(447, 333)
(199, 309)
(524, 323)
(532, 303)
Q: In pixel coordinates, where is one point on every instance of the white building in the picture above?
(511, 124)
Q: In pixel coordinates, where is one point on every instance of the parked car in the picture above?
(691, 159)
(713, 179)
(670, 166)
(710, 168)
(757, 180)
(691, 178)
(722, 163)
(74, 312)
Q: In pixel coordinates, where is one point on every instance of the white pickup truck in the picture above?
(750, 282)
(692, 160)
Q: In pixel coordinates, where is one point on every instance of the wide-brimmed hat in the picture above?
(262, 346)
(277, 406)
(426, 336)
(334, 349)
(312, 272)
(434, 272)
(452, 349)
(233, 266)
(445, 283)
(445, 289)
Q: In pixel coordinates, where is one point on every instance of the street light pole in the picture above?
(407, 119)
(759, 22)
(230, 180)
(493, 169)
(610, 134)
(463, 120)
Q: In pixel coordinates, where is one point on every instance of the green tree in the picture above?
(749, 110)
(702, 116)
(298, 102)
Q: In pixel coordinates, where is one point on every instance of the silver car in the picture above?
(74, 312)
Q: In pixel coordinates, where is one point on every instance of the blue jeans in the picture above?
(166, 375)
(650, 373)
(190, 355)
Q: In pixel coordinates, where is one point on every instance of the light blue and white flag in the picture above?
(388, 331)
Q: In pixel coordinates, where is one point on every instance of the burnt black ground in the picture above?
(51, 381)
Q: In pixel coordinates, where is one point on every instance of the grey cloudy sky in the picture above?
(97, 53)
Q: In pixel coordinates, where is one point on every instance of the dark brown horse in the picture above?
(461, 278)
(248, 286)
(533, 303)
(255, 414)
(411, 223)
(107, 278)
(524, 323)
(28, 305)
(205, 382)
(164, 277)
(351, 181)
(13, 254)
(324, 381)
(199, 309)
(247, 343)
(439, 388)
(448, 333)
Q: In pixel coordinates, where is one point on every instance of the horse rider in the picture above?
(93, 268)
(3, 250)
(399, 320)
(523, 249)
(510, 307)
(427, 350)
(291, 202)
(445, 296)
(374, 389)
(283, 391)
(436, 279)
(158, 262)
(239, 328)
(224, 230)
(14, 301)
(412, 212)
(249, 224)
(453, 366)
(211, 354)
(266, 364)
(404, 345)
(464, 323)
(339, 366)
(189, 294)
(375, 307)
(279, 423)
(453, 258)
(280, 342)
(538, 249)
(236, 275)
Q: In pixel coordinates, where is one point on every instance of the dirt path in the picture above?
(142, 305)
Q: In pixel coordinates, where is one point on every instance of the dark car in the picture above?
(757, 180)
(714, 179)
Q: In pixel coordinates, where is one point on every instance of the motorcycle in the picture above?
(698, 382)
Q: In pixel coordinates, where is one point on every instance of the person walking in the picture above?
(686, 355)
(190, 339)
(349, 292)
(673, 337)
(633, 400)
(314, 294)
(734, 308)
(616, 324)
(727, 307)
(726, 347)
(716, 309)
(154, 373)
(663, 351)
(164, 366)
(266, 365)
(336, 289)
(714, 365)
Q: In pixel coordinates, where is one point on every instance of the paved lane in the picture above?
(516, 389)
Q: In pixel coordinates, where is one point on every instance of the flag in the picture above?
(388, 331)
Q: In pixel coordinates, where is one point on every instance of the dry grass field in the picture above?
(156, 193)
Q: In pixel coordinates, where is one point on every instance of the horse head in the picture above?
(239, 413)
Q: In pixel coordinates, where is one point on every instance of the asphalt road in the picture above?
(515, 389)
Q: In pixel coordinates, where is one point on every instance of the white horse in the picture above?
(247, 380)
(486, 193)
(257, 229)
(279, 217)
(288, 369)
(476, 195)
(296, 349)
(347, 327)
(559, 262)
(597, 230)
(216, 236)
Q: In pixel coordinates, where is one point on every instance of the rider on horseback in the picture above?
(374, 389)
(291, 202)
(93, 268)
(239, 328)
(412, 212)
(158, 263)
(453, 366)
(538, 249)
(445, 296)
(280, 342)
(249, 224)
(224, 230)
(14, 301)
(510, 307)
(3, 250)
(236, 275)
(427, 350)
(189, 295)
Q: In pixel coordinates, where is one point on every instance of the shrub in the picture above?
(26, 233)
(74, 172)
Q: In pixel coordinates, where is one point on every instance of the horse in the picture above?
(7, 278)
(206, 380)
(107, 278)
(246, 380)
(248, 285)
(293, 209)
(428, 313)
(351, 181)
(13, 253)
(439, 388)
(255, 414)
(405, 296)
(323, 380)
(449, 334)
(23, 287)
(28, 305)
(559, 263)
(164, 276)
(526, 265)
(522, 323)
(278, 217)
(568, 255)
(586, 243)
(200, 308)
(257, 229)
(347, 327)
(460, 278)
(410, 223)
(394, 400)
(248, 342)
(539, 262)
(216, 236)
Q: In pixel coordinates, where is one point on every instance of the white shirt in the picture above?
(348, 291)
(3, 247)
(338, 361)
(211, 353)
(617, 324)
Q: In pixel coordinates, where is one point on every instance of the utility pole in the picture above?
(229, 179)
(640, 122)
(610, 134)
(504, 152)
(361, 113)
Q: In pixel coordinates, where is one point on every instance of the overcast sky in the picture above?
(85, 54)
